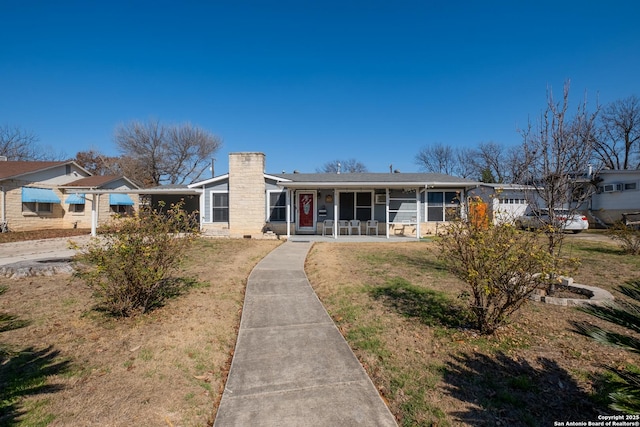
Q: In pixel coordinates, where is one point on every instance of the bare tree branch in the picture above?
(343, 166)
(618, 143)
(19, 144)
(158, 154)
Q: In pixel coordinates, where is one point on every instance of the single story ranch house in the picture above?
(53, 195)
(247, 202)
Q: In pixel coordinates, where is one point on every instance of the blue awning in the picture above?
(75, 199)
(120, 200)
(42, 195)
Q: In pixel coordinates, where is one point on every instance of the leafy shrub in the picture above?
(625, 382)
(130, 266)
(501, 265)
(628, 236)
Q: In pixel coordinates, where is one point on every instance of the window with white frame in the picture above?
(220, 207)
(356, 205)
(277, 206)
(505, 201)
(443, 205)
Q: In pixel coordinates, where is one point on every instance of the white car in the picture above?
(563, 219)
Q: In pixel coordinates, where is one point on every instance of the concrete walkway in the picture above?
(291, 366)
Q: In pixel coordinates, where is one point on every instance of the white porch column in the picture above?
(387, 211)
(288, 196)
(202, 208)
(418, 213)
(335, 213)
(94, 215)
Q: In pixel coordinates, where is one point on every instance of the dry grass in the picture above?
(394, 303)
(166, 368)
(401, 314)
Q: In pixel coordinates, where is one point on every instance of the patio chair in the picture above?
(343, 224)
(372, 224)
(327, 225)
(354, 224)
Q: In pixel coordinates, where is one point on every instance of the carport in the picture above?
(169, 195)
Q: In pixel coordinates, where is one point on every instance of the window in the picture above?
(363, 206)
(443, 205)
(121, 204)
(76, 208)
(37, 207)
(630, 186)
(512, 201)
(37, 201)
(76, 202)
(277, 206)
(220, 207)
(122, 209)
(356, 206)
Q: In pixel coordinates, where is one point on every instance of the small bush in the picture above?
(628, 236)
(131, 265)
(501, 265)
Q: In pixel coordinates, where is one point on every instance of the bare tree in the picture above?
(438, 158)
(158, 154)
(618, 144)
(343, 166)
(19, 144)
(557, 150)
(464, 163)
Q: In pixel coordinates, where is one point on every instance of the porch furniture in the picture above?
(354, 224)
(327, 224)
(372, 224)
(343, 224)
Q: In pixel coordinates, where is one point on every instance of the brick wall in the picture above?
(246, 194)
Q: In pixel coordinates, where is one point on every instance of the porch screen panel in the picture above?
(402, 207)
(277, 206)
(363, 206)
(220, 207)
(346, 206)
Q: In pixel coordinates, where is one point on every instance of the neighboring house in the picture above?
(505, 202)
(247, 201)
(618, 192)
(53, 195)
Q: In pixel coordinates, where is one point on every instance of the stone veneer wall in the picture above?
(61, 217)
(247, 191)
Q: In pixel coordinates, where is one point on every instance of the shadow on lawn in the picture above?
(24, 374)
(430, 307)
(503, 391)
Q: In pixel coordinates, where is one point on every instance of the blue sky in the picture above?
(307, 82)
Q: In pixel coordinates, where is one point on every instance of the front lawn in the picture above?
(401, 313)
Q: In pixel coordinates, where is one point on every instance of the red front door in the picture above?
(306, 212)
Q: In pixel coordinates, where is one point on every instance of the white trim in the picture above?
(211, 193)
(208, 181)
(267, 207)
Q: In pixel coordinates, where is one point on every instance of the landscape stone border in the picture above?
(597, 296)
(41, 267)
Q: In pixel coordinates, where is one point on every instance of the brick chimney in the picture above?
(247, 193)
